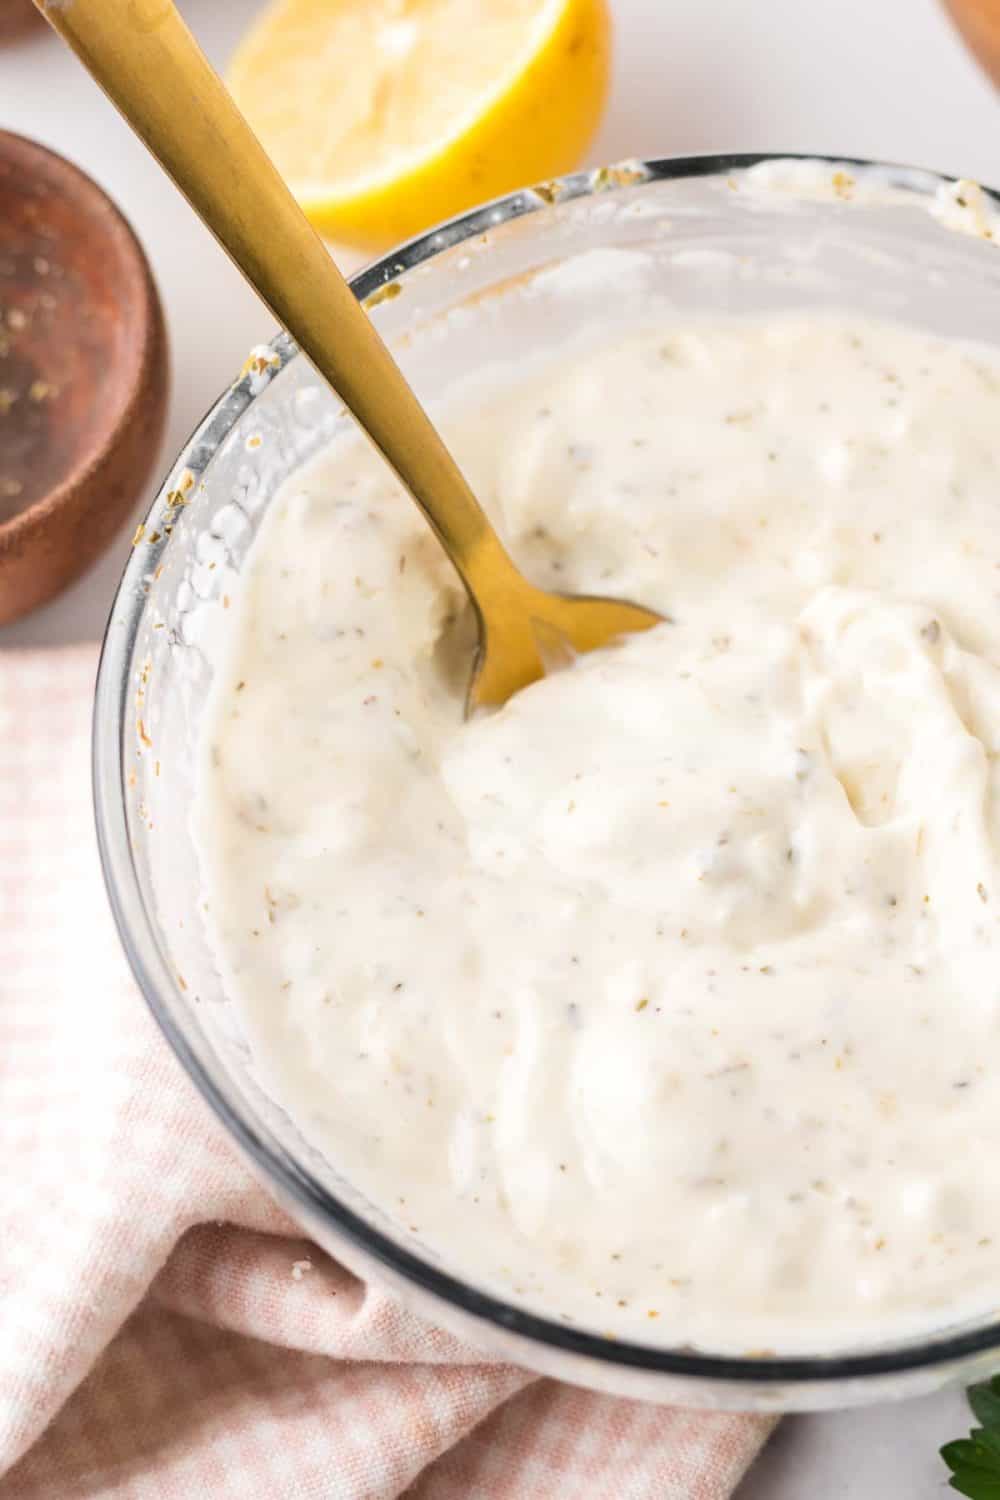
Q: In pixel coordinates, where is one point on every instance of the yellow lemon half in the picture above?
(385, 116)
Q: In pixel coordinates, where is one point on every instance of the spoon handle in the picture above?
(152, 69)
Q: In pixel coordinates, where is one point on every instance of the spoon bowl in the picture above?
(544, 632)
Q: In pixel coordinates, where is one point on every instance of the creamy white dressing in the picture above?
(666, 1000)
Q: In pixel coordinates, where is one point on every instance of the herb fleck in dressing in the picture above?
(671, 991)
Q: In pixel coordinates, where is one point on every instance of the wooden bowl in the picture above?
(83, 373)
(17, 16)
(979, 23)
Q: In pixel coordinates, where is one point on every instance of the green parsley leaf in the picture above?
(985, 1402)
(975, 1461)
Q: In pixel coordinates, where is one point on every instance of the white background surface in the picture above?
(884, 78)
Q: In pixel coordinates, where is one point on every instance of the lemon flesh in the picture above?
(385, 116)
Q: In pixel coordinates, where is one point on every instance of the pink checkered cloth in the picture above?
(164, 1329)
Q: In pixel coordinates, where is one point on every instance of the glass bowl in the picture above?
(642, 240)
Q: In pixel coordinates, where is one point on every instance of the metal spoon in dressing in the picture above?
(146, 60)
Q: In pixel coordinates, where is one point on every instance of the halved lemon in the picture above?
(385, 116)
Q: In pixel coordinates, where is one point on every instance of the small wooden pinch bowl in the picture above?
(83, 373)
(17, 17)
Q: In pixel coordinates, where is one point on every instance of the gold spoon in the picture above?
(150, 66)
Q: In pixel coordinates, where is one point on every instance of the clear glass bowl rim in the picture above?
(153, 975)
